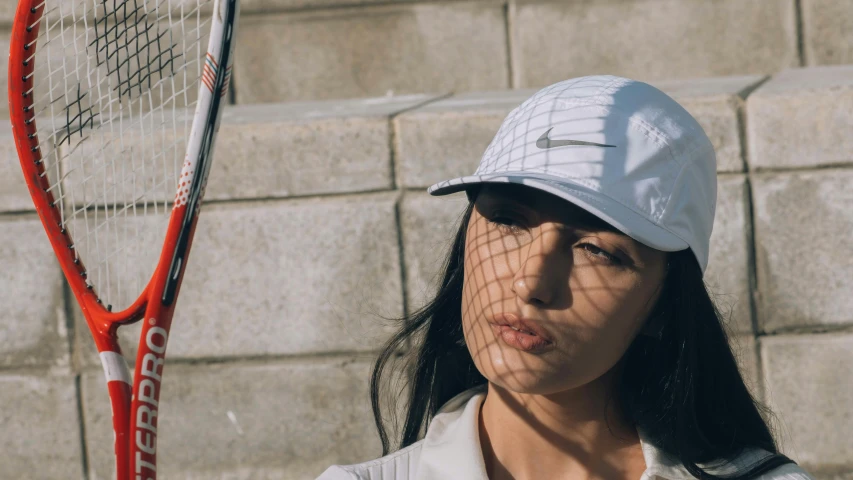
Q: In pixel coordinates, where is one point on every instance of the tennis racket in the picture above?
(113, 104)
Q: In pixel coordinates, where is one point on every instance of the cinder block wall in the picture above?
(275, 330)
(325, 49)
(335, 49)
(317, 217)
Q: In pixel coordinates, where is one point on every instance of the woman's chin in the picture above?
(525, 380)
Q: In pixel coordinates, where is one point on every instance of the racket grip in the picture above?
(120, 393)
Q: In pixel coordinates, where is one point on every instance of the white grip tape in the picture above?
(115, 368)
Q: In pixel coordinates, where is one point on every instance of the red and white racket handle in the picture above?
(120, 391)
(141, 446)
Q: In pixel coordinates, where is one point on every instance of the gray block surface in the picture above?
(33, 328)
(14, 195)
(5, 42)
(368, 51)
(270, 6)
(447, 138)
(718, 104)
(803, 222)
(271, 421)
(305, 148)
(805, 389)
(41, 432)
(745, 350)
(802, 118)
(294, 277)
(650, 39)
(730, 262)
(828, 32)
(428, 226)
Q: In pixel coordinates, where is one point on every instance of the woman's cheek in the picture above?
(610, 313)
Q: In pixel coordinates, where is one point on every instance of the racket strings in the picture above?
(114, 88)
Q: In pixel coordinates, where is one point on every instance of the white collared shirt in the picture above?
(451, 450)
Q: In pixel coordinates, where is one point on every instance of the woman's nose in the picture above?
(544, 269)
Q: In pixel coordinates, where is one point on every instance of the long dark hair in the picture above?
(681, 384)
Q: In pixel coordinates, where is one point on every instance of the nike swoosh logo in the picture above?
(544, 142)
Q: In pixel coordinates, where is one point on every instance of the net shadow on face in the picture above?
(588, 286)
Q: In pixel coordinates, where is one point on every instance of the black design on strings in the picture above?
(77, 117)
(133, 45)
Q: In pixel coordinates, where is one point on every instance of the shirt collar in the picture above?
(451, 447)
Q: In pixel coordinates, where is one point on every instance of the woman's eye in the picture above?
(601, 254)
(503, 224)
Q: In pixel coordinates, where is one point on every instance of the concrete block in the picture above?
(14, 195)
(5, 40)
(807, 387)
(275, 278)
(803, 256)
(368, 51)
(717, 103)
(33, 327)
(270, 6)
(650, 39)
(827, 32)
(270, 421)
(305, 148)
(428, 226)
(844, 474)
(730, 261)
(802, 118)
(447, 138)
(746, 353)
(41, 430)
(7, 11)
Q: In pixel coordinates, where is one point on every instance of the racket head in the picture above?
(102, 102)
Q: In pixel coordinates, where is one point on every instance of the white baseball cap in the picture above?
(618, 148)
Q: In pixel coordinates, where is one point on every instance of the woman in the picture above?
(572, 335)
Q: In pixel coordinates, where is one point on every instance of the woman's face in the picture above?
(588, 286)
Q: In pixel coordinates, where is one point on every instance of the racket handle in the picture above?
(120, 393)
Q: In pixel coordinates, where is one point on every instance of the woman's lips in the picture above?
(519, 340)
(525, 325)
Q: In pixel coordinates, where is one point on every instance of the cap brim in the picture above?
(623, 218)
